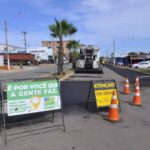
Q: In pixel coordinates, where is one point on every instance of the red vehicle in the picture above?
(21, 59)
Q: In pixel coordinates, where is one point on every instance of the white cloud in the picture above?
(116, 19)
(98, 21)
(101, 5)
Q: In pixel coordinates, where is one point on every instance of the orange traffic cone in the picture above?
(136, 81)
(113, 114)
(137, 97)
(126, 87)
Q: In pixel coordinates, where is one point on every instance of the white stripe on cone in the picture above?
(137, 94)
(126, 85)
(137, 87)
(113, 106)
(114, 97)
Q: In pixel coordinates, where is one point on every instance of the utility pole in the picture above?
(25, 41)
(114, 52)
(6, 42)
(106, 55)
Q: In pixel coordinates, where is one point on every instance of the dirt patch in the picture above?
(6, 68)
(59, 76)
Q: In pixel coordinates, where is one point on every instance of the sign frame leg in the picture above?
(87, 102)
(3, 125)
(62, 112)
(118, 97)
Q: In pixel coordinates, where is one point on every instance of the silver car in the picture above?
(142, 64)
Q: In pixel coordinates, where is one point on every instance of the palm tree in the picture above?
(73, 45)
(59, 30)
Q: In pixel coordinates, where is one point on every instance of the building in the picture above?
(1, 60)
(41, 53)
(11, 48)
(54, 45)
(118, 58)
(129, 59)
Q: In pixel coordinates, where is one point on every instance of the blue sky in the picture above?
(98, 22)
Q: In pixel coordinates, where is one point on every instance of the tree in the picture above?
(61, 29)
(74, 45)
(76, 53)
(133, 54)
(101, 60)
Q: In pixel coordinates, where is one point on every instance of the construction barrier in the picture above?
(137, 96)
(113, 114)
(126, 87)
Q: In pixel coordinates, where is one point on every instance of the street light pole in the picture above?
(114, 53)
(25, 41)
(6, 48)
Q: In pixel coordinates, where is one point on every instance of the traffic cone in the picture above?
(137, 97)
(113, 114)
(136, 81)
(126, 87)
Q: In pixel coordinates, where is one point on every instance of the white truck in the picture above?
(88, 60)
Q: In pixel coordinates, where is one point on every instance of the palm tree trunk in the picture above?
(60, 57)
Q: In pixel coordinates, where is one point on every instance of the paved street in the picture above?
(144, 79)
(86, 130)
(42, 70)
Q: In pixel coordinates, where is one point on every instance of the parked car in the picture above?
(143, 64)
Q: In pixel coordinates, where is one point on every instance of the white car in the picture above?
(142, 64)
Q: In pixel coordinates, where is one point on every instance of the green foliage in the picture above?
(74, 53)
(59, 30)
(62, 29)
(133, 54)
(101, 59)
(73, 45)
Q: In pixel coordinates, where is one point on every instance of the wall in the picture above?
(1, 60)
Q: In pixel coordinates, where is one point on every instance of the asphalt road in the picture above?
(86, 130)
(42, 70)
(144, 80)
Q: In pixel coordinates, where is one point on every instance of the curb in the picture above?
(144, 73)
(139, 71)
(67, 76)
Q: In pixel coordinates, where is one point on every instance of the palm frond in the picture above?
(54, 35)
(52, 27)
(71, 29)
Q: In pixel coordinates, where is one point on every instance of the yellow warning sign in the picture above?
(103, 92)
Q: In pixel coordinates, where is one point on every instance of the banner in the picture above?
(103, 92)
(31, 97)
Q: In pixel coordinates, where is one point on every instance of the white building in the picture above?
(11, 48)
(1, 60)
(41, 52)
